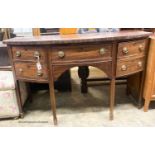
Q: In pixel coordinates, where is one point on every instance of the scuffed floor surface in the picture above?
(77, 110)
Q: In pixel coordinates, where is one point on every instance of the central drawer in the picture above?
(29, 71)
(81, 52)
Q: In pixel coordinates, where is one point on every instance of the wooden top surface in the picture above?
(152, 36)
(77, 38)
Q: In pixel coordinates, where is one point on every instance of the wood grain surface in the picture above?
(78, 38)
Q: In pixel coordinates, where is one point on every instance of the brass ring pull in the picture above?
(124, 68)
(140, 64)
(36, 54)
(61, 54)
(39, 73)
(20, 70)
(102, 51)
(18, 53)
(141, 48)
(125, 50)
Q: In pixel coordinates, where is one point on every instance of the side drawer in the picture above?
(131, 48)
(129, 66)
(29, 53)
(29, 71)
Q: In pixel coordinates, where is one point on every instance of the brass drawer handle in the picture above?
(141, 48)
(39, 73)
(61, 54)
(36, 54)
(125, 50)
(124, 68)
(140, 64)
(20, 70)
(18, 53)
(102, 51)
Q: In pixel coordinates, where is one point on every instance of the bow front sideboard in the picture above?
(43, 59)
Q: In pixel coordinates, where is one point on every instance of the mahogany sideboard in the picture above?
(43, 59)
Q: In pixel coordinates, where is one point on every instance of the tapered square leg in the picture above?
(146, 105)
(52, 96)
(112, 98)
(140, 98)
(53, 102)
(19, 100)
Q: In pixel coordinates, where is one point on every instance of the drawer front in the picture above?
(81, 52)
(28, 53)
(129, 66)
(131, 48)
(29, 70)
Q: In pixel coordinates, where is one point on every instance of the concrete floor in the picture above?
(77, 110)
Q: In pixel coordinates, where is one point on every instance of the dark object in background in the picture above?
(63, 84)
(49, 31)
(42, 30)
(4, 57)
(1, 36)
(12, 35)
(46, 30)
